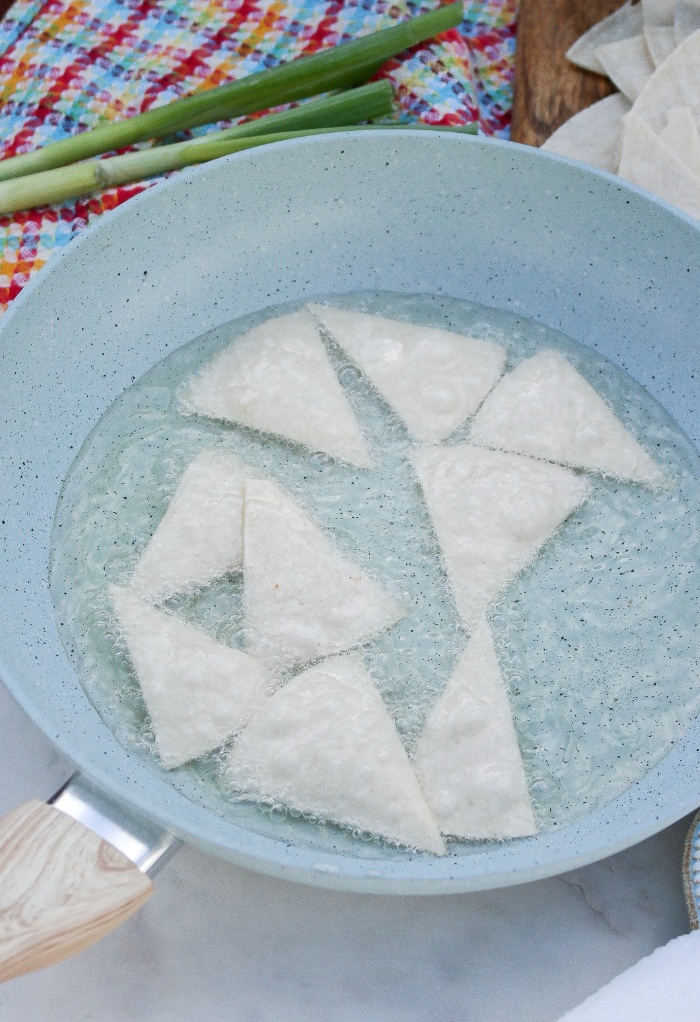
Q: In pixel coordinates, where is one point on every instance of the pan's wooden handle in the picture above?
(61, 888)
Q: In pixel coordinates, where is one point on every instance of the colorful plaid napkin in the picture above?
(67, 64)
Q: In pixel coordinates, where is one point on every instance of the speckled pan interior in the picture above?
(491, 222)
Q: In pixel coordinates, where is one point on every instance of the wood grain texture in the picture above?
(548, 89)
(62, 888)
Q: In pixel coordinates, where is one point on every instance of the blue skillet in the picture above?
(492, 222)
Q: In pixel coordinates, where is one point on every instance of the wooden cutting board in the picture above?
(548, 89)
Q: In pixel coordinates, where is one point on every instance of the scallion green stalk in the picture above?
(63, 183)
(338, 67)
(366, 103)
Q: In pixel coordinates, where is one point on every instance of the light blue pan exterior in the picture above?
(417, 212)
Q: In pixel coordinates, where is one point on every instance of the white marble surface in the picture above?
(217, 943)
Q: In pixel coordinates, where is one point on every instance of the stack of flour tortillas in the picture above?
(648, 131)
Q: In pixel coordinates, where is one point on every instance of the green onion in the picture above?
(64, 183)
(365, 103)
(335, 68)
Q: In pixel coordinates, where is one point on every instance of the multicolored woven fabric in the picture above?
(67, 64)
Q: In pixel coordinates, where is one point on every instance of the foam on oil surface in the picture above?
(596, 639)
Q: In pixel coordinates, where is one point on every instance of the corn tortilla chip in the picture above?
(676, 83)
(468, 759)
(658, 12)
(544, 408)
(433, 378)
(594, 135)
(278, 378)
(621, 24)
(200, 537)
(326, 745)
(627, 64)
(661, 41)
(302, 598)
(682, 138)
(686, 20)
(492, 512)
(198, 692)
(648, 162)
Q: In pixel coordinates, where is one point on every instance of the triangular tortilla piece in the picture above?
(492, 513)
(658, 12)
(621, 24)
(546, 409)
(278, 379)
(648, 162)
(435, 379)
(200, 537)
(198, 692)
(686, 19)
(661, 41)
(302, 598)
(468, 759)
(675, 83)
(627, 64)
(326, 745)
(594, 135)
(682, 138)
